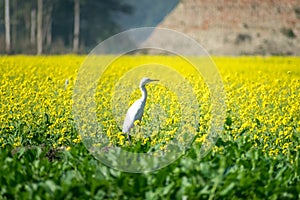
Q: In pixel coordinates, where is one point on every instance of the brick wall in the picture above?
(236, 27)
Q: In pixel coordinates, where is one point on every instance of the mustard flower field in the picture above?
(256, 156)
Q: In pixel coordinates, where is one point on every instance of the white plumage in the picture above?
(136, 110)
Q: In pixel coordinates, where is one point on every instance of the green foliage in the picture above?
(238, 173)
(288, 32)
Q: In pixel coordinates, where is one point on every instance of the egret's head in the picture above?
(144, 81)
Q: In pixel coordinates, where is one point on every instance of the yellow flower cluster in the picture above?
(262, 97)
(263, 101)
(36, 100)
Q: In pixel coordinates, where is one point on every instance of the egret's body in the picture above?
(136, 110)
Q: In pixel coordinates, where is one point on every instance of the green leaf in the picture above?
(227, 189)
(51, 185)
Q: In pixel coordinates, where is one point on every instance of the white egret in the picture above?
(136, 110)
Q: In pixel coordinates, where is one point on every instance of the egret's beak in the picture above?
(152, 80)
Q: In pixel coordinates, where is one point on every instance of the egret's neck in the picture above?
(144, 93)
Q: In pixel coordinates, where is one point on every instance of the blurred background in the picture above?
(223, 27)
